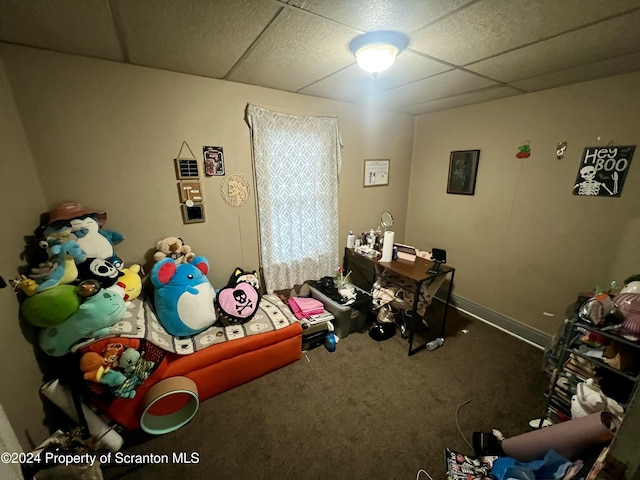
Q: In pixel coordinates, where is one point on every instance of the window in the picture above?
(297, 160)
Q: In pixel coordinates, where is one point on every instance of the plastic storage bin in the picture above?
(348, 318)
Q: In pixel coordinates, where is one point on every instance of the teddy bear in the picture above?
(174, 248)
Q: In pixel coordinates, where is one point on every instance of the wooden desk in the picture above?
(417, 272)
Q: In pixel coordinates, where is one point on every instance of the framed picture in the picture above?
(193, 212)
(186, 168)
(190, 190)
(463, 168)
(376, 173)
(213, 161)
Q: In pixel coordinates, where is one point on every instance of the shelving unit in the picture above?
(573, 365)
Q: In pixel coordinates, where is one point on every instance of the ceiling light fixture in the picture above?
(376, 51)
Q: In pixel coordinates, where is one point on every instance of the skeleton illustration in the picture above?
(590, 186)
(242, 301)
(235, 190)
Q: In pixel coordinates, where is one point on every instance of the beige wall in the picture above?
(105, 134)
(21, 201)
(523, 244)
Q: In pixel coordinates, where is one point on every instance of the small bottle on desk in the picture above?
(351, 240)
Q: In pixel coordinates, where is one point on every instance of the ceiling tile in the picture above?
(471, 48)
(479, 96)
(583, 73)
(490, 27)
(185, 37)
(350, 83)
(443, 85)
(77, 27)
(604, 40)
(400, 15)
(296, 50)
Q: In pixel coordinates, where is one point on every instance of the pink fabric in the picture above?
(302, 307)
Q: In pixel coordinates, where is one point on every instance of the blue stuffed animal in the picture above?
(184, 297)
(93, 318)
(67, 255)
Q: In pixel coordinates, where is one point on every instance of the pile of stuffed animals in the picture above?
(118, 367)
(79, 289)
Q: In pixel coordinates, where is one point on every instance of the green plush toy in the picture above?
(92, 319)
(136, 369)
(50, 307)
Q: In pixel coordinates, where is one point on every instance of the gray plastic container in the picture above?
(348, 318)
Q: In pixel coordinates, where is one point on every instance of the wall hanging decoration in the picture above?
(193, 212)
(603, 171)
(376, 173)
(213, 161)
(560, 149)
(190, 191)
(235, 190)
(524, 151)
(189, 188)
(463, 169)
(186, 167)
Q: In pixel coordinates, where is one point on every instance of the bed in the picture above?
(215, 360)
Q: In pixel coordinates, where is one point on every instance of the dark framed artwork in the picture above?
(463, 168)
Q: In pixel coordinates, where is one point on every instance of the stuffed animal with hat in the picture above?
(85, 226)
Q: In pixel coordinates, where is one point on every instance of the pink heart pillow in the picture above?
(238, 302)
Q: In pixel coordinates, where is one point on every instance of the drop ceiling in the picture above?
(460, 51)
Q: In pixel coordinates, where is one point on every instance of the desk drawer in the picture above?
(361, 270)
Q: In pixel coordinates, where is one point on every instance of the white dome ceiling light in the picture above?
(376, 51)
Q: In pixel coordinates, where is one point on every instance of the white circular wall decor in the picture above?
(235, 190)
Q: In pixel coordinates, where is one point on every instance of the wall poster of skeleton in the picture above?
(603, 171)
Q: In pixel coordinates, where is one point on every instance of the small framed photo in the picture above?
(463, 168)
(376, 173)
(193, 212)
(213, 161)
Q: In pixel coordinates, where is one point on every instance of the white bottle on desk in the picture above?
(351, 240)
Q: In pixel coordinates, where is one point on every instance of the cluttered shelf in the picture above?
(596, 364)
(601, 364)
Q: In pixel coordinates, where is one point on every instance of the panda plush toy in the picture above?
(99, 269)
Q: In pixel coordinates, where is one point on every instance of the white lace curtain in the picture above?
(296, 162)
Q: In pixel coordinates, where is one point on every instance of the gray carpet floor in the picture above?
(365, 411)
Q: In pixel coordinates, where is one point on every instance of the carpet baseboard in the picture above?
(509, 325)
